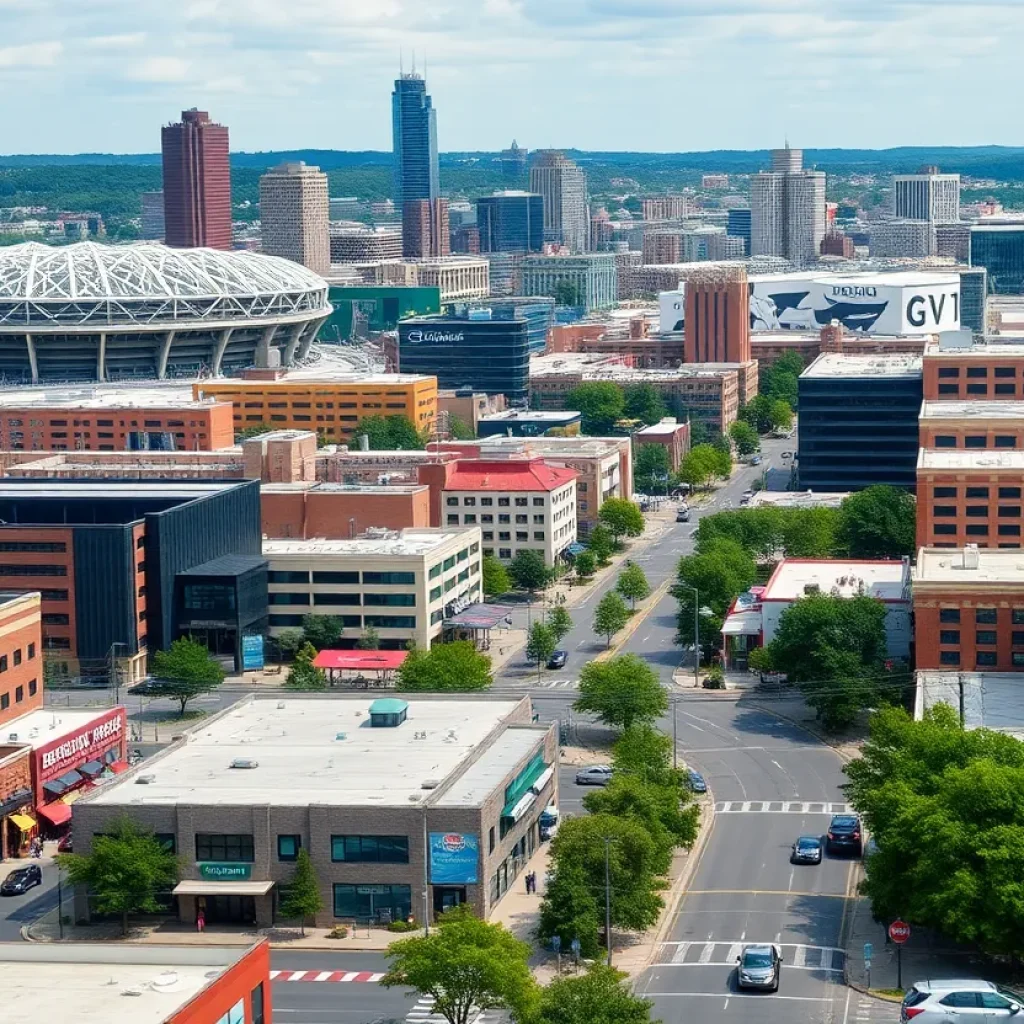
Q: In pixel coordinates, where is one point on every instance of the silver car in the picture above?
(954, 1000)
(595, 775)
(759, 967)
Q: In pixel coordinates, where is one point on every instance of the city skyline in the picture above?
(279, 76)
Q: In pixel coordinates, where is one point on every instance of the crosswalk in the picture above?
(370, 976)
(779, 807)
(556, 684)
(423, 1013)
(723, 954)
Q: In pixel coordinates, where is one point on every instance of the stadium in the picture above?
(102, 312)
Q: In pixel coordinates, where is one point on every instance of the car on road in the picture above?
(549, 822)
(65, 844)
(746, 497)
(696, 780)
(944, 1001)
(683, 515)
(755, 460)
(558, 659)
(594, 775)
(21, 880)
(845, 835)
(787, 455)
(148, 687)
(806, 850)
(759, 967)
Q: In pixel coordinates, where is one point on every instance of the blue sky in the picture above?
(656, 75)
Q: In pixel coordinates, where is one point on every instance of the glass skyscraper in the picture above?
(414, 127)
(511, 222)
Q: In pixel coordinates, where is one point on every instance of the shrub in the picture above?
(402, 926)
(714, 679)
(339, 931)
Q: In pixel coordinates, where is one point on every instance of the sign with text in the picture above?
(453, 858)
(221, 871)
(87, 743)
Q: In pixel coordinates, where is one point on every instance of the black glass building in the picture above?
(738, 226)
(511, 222)
(414, 130)
(999, 248)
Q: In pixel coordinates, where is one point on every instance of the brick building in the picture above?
(672, 435)
(717, 325)
(975, 372)
(337, 511)
(972, 425)
(425, 229)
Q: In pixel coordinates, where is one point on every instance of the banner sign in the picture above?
(453, 858)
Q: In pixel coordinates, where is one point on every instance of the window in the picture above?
(986, 637)
(336, 599)
(538, 520)
(335, 577)
(390, 621)
(219, 846)
(17, 656)
(949, 371)
(487, 502)
(1009, 511)
(949, 636)
(469, 502)
(54, 595)
(985, 616)
(1018, 659)
(945, 441)
(977, 511)
(944, 529)
(31, 651)
(453, 519)
(504, 502)
(538, 535)
(33, 570)
(977, 371)
(490, 836)
(1009, 530)
(488, 535)
(504, 553)
(975, 440)
(1018, 638)
(391, 578)
(284, 576)
(977, 531)
(977, 492)
(435, 594)
(256, 1010)
(949, 657)
(969, 999)
(390, 600)
(944, 510)
(435, 571)
(5, 701)
(1017, 616)
(486, 517)
(949, 615)
(504, 535)
(977, 389)
(521, 502)
(1009, 492)
(1005, 389)
(944, 492)
(19, 694)
(986, 658)
(522, 536)
(288, 847)
(279, 599)
(25, 545)
(373, 902)
(33, 687)
(1004, 371)
(451, 502)
(370, 849)
(538, 502)
(949, 389)
(522, 520)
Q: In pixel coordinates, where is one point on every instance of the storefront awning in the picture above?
(542, 780)
(202, 887)
(24, 822)
(524, 804)
(742, 624)
(70, 798)
(91, 768)
(56, 813)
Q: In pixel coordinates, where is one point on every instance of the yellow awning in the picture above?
(24, 822)
(73, 796)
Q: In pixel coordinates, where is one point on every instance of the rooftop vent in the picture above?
(971, 556)
(244, 762)
(812, 588)
(430, 783)
(145, 780)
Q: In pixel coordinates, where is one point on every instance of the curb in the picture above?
(821, 737)
(635, 622)
(857, 987)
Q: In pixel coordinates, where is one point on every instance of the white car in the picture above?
(595, 775)
(951, 1001)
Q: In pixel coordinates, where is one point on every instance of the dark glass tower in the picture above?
(414, 126)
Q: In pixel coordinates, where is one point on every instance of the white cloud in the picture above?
(31, 55)
(159, 69)
(125, 41)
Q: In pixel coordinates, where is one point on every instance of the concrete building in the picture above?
(805, 216)
(657, 208)
(197, 182)
(739, 226)
(401, 583)
(529, 423)
(370, 789)
(787, 207)
(671, 435)
(787, 160)
(457, 277)
(294, 215)
(835, 243)
(954, 241)
(717, 327)
(927, 196)
(899, 238)
(364, 244)
(594, 276)
(466, 406)
(999, 248)
(511, 221)
(414, 139)
(426, 233)
(151, 226)
(563, 187)
(768, 214)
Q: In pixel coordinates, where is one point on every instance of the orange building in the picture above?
(974, 372)
(717, 324)
(337, 511)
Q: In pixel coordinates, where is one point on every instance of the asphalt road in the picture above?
(16, 911)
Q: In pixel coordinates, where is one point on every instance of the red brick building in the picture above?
(336, 511)
(425, 228)
(993, 372)
(717, 325)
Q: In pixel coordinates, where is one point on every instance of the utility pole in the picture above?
(607, 899)
(675, 733)
(963, 715)
(426, 878)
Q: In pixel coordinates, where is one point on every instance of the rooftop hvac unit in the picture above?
(244, 762)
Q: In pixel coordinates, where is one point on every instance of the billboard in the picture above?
(454, 858)
(899, 303)
(252, 652)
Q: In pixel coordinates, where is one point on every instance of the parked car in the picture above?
(806, 850)
(945, 1001)
(682, 515)
(844, 835)
(65, 844)
(558, 659)
(759, 967)
(548, 822)
(594, 775)
(746, 497)
(755, 460)
(697, 783)
(787, 455)
(21, 880)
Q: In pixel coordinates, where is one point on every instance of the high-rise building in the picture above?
(414, 128)
(768, 214)
(197, 182)
(738, 226)
(927, 195)
(295, 215)
(717, 325)
(511, 222)
(999, 248)
(466, 238)
(835, 243)
(152, 224)
(787, 161)
(787, 209)
(513, 162)
(954, 240)
(666, 208)
(805, 215)
(896, 238)
(563, 186)
(425, 228)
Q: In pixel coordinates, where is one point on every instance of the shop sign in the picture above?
(373, 890)
(82, 746)
(453, 858)
(252, 653)
(219, 871)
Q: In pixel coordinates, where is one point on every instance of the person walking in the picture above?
(201, 920)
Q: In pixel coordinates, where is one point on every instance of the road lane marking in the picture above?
(768, 892)
(722, 953)
(774, 997)
(780, 807)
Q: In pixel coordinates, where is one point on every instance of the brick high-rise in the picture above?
(294, 214)
(717, 325)
(425, 228)
(197, 182)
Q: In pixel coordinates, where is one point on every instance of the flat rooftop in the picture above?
(986, 349)
(991, 565)
(530, 416)
(972, 410)
(394, 542)
(793, 576)
(44, 725)
(992, 700)
(109, 983)
(103, 398)
(486, 773)
(354, 489)
(834, 364)
(799, 499)
(959, 458)
(663, 428)
(26, 489)
(603, 367)
(316, 376)
(313, 751)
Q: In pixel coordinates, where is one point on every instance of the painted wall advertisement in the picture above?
(454, 858)
(88, 743)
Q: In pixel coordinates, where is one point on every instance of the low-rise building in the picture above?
(340, 511)
(405, 808)
(529, 423)
(973, 425)
(467, 406)
(957, 367)
(671, 435)
(799, 499)
(403, 583)
(592, 277)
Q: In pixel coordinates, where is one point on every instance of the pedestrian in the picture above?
(533, 881)
(201, 920)
(527, 879)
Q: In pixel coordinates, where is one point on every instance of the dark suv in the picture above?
(844, 835)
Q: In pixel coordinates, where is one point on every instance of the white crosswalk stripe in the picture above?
(780, 807)
(724, 954)
(423, 1013)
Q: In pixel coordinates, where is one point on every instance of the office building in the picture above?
(537, 310)
(768, 214)
(414, 133)
(999, 248)
(513, 162)
(364, 244)
(669, 434)
(197, 182)
(511, 222)
(294, 215)
(787, 209)
(717, 326)
(505, 274)
(589, 280)
(426, 232)
(899, 238)
(477, 350)
(787, 160)
(738, 225)
(456, 277)
(666, 208)
(957, 367)
(805, 216)
(563, 188)
(466, 239)
(835, 243)
(954, 241)
(369, 788)
(151, 226)
(973, 299)
(928, 196)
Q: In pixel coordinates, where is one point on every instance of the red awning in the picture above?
(56, 813)
(118, 766)
(361, 661)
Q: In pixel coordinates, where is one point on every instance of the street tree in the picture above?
(704, 465)
(720, 572)
(601, 996)
(810, 532)
(878, 522)
(570, 910)
(185, 671)
(456, 667)
(465, 966)
(610, 615)
(601, 543)
(496, 581)
(757, 413)
(528, 571)
(643, 402)
(322, 631)
(621, 692)
(585, 563)
(622, 516)
(389, 433)
(601, 405)
(303, 674)
(651, 469)
(633, 584)
(781, 415)
(127, 871)
(289, 641)
(744, 437)
(369, 641)
(643, 751)
(560, 622)
(541, 643)
(302, 897)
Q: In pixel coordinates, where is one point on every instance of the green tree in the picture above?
(633, 585)
(496, 581)
(878, 522)
(601, 543)
(540, 644)
(456, 667)
(758, 413)
(302, 897)
(744, 437)
(244, 433)
(567, 293)
(127, 872)
(720, 573)
(781, 415)
(460, 430)
(622, 692)
(185, 671)
(610, 615)
(601, 996)
(810, 532)
(651, 469)
(464, 966)
(570, 910)
(643, 402)
(646, 753)
(622, 516)
(560, 622)
(322, 631)
(585, 563)
(370, 640)
(289, 641)
(703, 465)
(304, 675)
(389, 433)
(601, 405)
(528, 571)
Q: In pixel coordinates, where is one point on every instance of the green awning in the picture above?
(520, 786)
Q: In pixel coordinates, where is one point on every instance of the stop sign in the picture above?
(899, 931)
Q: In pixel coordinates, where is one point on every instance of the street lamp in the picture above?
(697, 612)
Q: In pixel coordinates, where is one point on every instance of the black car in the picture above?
(558, 659)
(806, 850)
(697, 783)
(845, 835)
(21, 880)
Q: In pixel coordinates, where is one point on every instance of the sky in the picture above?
(650, 75)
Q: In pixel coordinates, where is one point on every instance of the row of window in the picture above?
(975, 492)
(521, 502)
(104, 423)
(948, 372)
(976, 511)
(386, 600)
(976, 441)
(982, 616)
(19, 694)
(371, 578)
(16, 656)
(239, 848)
(470, 518)
(982, 659)
(975, 530)
(522, 536)
(953, 390)
(351, 621)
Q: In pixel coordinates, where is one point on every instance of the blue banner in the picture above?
(252, 653)
(453, 858)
